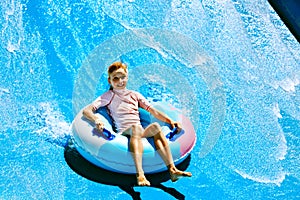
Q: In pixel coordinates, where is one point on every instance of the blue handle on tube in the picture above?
(173, 132)
(108, 134)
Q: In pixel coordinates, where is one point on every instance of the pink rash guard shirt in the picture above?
(123, 107)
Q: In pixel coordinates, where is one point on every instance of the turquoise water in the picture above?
(231, 66)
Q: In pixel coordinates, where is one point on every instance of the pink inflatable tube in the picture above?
(112, 153)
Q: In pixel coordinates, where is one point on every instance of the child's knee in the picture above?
(156, 126)
(136, 130)
(155, 129)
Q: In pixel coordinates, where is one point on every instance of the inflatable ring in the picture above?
(110, 151)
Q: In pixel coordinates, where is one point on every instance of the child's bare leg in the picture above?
(163, 149)
(136, 147)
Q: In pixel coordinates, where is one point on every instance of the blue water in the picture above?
(231, 66)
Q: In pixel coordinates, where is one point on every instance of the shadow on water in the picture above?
(126, 182)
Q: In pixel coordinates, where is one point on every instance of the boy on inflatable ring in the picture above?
(122, 105)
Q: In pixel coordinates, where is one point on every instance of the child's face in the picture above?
(118, 79)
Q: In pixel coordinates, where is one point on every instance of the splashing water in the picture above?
(231, 66)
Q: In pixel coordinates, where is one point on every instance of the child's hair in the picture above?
(115, 66)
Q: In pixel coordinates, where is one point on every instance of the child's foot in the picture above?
(176, 174)
(142, 181)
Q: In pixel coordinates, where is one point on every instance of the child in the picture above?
(123, 107)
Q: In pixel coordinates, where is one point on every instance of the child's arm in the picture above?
(89, 113)
(161, 116)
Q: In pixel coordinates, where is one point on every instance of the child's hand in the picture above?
(99, 125)
(176, 124)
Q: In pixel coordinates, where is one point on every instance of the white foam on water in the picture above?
(288, 84)
(56, 129)
(276, 110)
(277, 180)
(12, 32)
(257, 60)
